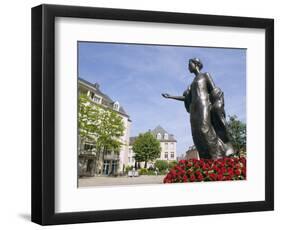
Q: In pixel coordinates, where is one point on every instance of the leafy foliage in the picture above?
(146, 148)
(128, 168)
(237, 131)
(161, 165)
(143, 171)
(172, 164)
(101, 125)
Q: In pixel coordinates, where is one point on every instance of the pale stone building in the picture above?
(168, 145)
(192, 153)
(112, 163)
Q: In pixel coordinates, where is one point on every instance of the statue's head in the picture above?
(194, 65)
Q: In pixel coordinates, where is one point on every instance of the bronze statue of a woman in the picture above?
(205, 103)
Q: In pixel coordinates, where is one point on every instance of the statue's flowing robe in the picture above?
(218, 117)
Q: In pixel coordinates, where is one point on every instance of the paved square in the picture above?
(124, 180)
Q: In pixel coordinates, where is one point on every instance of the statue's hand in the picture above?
(166, 95)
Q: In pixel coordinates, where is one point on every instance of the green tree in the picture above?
(161, 165)
(172, 164)
(101, 125)
(146, 148)
(86, 114)
(237, 133)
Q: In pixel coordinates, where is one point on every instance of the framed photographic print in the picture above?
(142, 114)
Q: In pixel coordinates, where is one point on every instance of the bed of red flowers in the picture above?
(232, 168)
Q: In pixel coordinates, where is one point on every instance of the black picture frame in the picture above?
(43, 114)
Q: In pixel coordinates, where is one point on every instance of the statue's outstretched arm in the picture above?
(179, 98)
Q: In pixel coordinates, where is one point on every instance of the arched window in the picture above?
(158, 136)
(166, 136)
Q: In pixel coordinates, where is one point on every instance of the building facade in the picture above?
(168, 145)
(111, 163)
(192, 153)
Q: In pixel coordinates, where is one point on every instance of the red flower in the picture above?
(213, 176)
(218, 170)
(200, 177)
(237, 172)
(182, 162)
(173, 172)
(223, 170)
(243, 160)
(207, 169)
(244, 171)
(230, 172)
(206, 166)
(192, 178)
(219, 177)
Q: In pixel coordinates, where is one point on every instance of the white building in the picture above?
(168, 145)
(112, 163)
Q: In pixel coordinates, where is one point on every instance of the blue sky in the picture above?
(136, 75)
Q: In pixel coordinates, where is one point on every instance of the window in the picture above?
(166, 146)
(116, 106)
(166, 155)
(94, 97)
(172, 146)
(88, 147)
(166, 136)
(97, 99)
(106, 167)
(172, 155)
(158, 136)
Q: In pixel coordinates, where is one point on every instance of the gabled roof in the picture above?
(106, 100)
(155, 131)
(159, 129)
(162, 131)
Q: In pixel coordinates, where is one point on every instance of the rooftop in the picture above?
(162, 132)
(106, 100)
(155, 132)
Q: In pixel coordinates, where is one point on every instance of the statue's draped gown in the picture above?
(205, 104)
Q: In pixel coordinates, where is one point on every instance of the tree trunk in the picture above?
(145, 164)
(97, 160)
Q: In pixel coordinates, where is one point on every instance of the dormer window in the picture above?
(94, 97)
(158, 136)
(166, 136)
(116, 106)
(91, 94)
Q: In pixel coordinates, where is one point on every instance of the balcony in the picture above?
(111, 156)
(87, 153)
